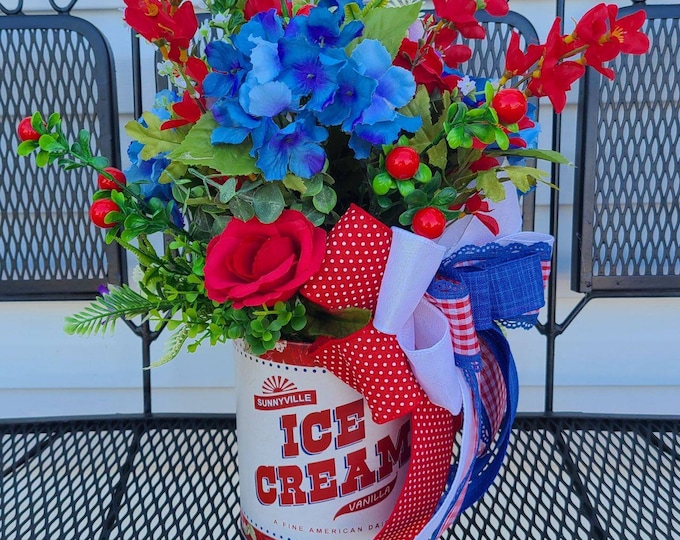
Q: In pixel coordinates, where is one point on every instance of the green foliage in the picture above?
(101, 315)
(197, 150)
(338, 323)
(154, 139)
(388, 25)
(429, 138)
(523, 178)
(463, 124)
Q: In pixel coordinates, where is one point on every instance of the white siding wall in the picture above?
(618, 355)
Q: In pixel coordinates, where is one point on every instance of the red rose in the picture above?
(252, 263)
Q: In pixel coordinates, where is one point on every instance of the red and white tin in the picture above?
(312, 463)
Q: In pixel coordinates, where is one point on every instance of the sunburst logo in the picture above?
(281, 393)
(277, 384)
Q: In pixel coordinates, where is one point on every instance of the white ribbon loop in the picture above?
(411, 265)
(425, 338)
(426, 341)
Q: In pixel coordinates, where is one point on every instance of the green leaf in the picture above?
(42, 158)
(295, 183)
(547, 155)
(228, 159)
(457, 137)
(102, 314)
(53, 121)
(416, 198)
(423, 174)
(488, 182)
(405, 187)
(484, 132)
(337, 323)
(37, 122)
(172, 172)
(388, 25)
(268, 203)
(241, 209)
(314, 185)
(49, 144)
(152, 137)
(227, 190)
(26, 148)
(100, 162)
(445, 197)
(325, 200)
(406, 218)
(502, 138)
(84, 139)
(524, 178)
(456, 113)
(384, 201)
(352, 12)
(172, 346)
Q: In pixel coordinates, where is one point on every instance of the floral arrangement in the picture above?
(325, 173)
(294, 112)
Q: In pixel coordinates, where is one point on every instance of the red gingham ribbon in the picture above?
(458, 311)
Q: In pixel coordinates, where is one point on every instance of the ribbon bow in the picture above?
(430, 354)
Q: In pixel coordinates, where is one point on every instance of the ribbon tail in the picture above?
(452, 501)
(433, 434)
(426, 341)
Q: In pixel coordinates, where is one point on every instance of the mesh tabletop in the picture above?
(175, 477)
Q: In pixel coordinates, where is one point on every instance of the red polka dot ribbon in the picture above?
(372, 363)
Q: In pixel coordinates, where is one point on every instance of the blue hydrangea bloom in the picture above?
(353, 96)
(279, 88)
(380, 123)
(235, 123)
(295, 147)
(324, 27)
(306, 72)
(227, 63)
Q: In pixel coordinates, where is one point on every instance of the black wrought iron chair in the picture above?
(48, 249)
(606, 476)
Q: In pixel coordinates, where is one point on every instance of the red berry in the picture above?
(402, 162)
(100, 209)
(429, 222)
(510, 104)
(25, 130)
(104, 182)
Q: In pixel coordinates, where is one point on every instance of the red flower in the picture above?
(187, 111)
(253, 7)
(518, 62)
(305, 9)
(555, 76)
(461, 13)
(451, 52)
(169, 27)
(479, 208)
(252, 263)
(497, 8)
(607, 37)
(426, 66)
(484, 163)
(197, 70)
(627, 31)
